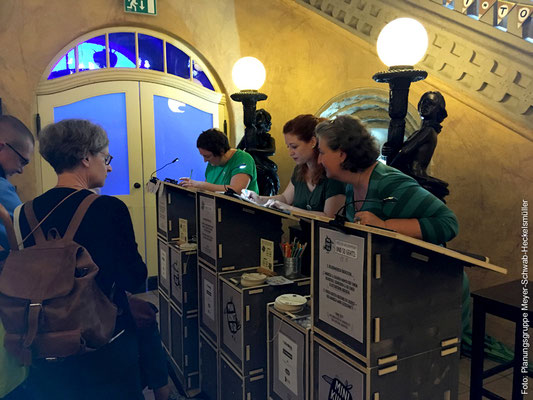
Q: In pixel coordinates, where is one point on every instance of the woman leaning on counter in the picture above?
(349, 153)
(309, 189)
(226, 168)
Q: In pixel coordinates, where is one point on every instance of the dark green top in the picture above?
(315, 200)
(437, 222)
(239, 163)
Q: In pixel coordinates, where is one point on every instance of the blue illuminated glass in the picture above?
(150, 53)
(91, 54)
(108, 111)
(178, 62)
(65, 66)
(177, 126)
(122, 50)
(199, 76)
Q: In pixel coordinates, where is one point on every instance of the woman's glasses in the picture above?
(107, 158)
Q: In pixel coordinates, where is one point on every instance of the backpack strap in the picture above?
(35, 226)
(36, 231)
(78, 216)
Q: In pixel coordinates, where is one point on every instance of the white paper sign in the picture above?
(340, 287)
(162, 207)
(184, 235)
(288, 363)
(208, 236)
(209, 296)
(163, 263)
(267, 254)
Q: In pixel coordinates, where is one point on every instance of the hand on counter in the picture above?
(188, 182)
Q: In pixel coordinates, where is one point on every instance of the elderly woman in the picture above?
(309, 189)
(349, 153)
(78, 152)
(227, 167)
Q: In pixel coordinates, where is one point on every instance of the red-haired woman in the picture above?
(309, 189)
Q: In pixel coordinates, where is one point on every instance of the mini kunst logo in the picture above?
(337, 389)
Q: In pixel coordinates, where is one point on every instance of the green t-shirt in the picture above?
(315, 200)
(437, 222)
(240, 163)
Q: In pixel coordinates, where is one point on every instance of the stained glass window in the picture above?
(178, 63)
(65, 66)
(150, 53)
(200, 77)
(91, 54)
(122, 50)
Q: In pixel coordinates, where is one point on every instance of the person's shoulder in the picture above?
(242, 155)
(109, 204)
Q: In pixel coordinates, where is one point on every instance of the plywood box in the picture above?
(289, 336)
(208, 368)
(234, 386)
(183, 279)
(242, 316)
(175, 203)
(230, 232)
(375, 296)
(432, 375)
(184, 348)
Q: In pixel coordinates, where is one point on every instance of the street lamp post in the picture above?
(401, 44)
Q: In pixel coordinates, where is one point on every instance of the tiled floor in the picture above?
(501, 384)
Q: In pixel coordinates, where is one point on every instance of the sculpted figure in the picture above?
(416, 152)
(265, 146)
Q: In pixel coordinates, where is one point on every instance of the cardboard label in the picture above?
(209, 299)
(163, 263)
(208, 237)
(184, 236)
(288, 363)
(267, 254)
(162, 208)
(340, 289)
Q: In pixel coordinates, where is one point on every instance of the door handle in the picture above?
(136, 185)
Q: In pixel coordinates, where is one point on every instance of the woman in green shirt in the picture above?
(349, 153)
(309, 189)
(226, 168)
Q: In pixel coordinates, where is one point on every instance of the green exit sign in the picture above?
(140, 6)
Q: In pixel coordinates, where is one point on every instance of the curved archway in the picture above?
(371, 106)
(152, 94)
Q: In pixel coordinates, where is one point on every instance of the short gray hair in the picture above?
(67, 142)
(349, 134)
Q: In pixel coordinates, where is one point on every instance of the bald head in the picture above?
(13, 131)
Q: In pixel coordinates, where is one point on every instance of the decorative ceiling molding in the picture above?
(490, 66)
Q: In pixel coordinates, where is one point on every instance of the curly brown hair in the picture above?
(350, 135)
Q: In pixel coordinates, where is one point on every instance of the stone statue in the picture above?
(263, 147)
(416, 152)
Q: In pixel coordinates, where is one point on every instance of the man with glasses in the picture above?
(16, 149)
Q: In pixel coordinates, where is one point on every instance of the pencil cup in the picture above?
(292, 266)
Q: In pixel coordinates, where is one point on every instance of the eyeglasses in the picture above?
(24, 161)
(107, 158)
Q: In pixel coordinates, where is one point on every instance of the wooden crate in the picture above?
(432, 375)
(184, 348)
(183, 279)
(175, 203)
(376, 296)
(288, 342)
(163, 264)
(234, 386)
(208, 368)
(230, 232)
(242, 319)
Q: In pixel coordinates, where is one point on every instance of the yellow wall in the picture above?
(308, 61)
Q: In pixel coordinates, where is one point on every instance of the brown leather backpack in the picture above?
(50, 304)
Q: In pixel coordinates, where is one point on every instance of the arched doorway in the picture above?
(153, 96)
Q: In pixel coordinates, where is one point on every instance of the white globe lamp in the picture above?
(248, 74)
(402, 42)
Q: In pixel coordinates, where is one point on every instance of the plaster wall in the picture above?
(308, 60)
